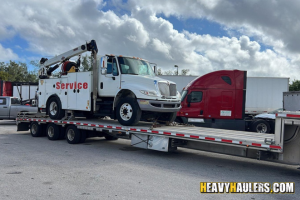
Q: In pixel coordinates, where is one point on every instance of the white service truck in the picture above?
(121, 87)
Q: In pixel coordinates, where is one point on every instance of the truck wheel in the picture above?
(128, 112)
(53, 132)
(260, 126)
(36, 129)
(73, 135)
(110, 137)
(167, 117)
(54, 108)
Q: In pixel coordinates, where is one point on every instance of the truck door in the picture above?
(110, 82)
(4, 108)
(194, 108)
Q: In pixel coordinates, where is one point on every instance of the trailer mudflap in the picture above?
(23, 126)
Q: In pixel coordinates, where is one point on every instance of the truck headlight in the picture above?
(149, 92)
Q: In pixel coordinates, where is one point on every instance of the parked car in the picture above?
(11, 106)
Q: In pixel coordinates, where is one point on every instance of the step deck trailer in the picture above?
(283, 146)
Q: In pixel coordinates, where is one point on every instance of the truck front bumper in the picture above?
(159, 106)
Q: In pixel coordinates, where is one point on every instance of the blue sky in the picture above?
(202, 36)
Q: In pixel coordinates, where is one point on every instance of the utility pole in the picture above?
(177, 69)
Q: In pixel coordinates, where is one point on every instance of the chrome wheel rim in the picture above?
(126, 111)
(261, 128)
(51, 131)
(53, 108)
(71, 135)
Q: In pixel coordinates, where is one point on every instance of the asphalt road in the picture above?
(37, 168)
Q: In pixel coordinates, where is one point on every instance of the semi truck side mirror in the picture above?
(189, 98)
(155, 69)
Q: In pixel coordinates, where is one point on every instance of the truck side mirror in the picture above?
(155, 69)
(189, 99)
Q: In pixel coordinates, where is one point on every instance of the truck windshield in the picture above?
(135, 66)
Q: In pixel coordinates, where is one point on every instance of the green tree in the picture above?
(295, 86)
(17, 72)
(159, 71)
(184, 72)
(86, 63)
(3, 76)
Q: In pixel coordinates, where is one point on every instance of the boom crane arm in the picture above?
(45, 63)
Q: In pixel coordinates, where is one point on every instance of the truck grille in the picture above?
(166, 89)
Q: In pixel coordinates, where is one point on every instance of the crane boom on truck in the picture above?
(121, 87)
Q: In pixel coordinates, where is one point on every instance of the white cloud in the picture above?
(7, 54)
(52, 27)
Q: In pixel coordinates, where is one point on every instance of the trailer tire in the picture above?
(260, 126)
(36, 130)
(73, 135)
(128, 111)
(54, 109)
(53, 132)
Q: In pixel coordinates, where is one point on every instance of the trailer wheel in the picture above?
(110, 137)
(73, 135)
(36, 130)
(128, 112)
(260, 126)
(53, 131)
(54, 108)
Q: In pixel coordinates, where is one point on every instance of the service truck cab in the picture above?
(126, 89)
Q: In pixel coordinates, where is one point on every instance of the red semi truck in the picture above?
(218, 100)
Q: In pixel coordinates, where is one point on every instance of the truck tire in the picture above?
(128, 112)
(54, 109)
(167, 117)
(260, 126)
(110, 137)
(73, 135)
(53, 132)
(36, 130)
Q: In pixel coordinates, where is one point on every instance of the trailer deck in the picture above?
(241, 138)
